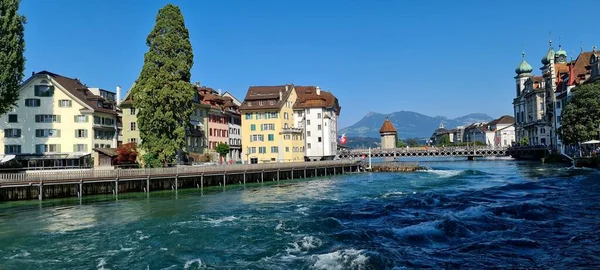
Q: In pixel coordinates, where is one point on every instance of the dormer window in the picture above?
(44, 90)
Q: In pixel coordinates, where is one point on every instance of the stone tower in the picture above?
(389, 135)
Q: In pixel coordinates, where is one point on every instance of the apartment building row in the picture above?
(216, 119)
(498, 133)
(288, 123)
(539, 99)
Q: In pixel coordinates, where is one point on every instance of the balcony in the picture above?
(291, 130)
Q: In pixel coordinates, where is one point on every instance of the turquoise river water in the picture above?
(475, 215)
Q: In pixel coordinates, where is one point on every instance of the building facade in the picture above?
(232, 111)
(317, 113)
(58, 121)
(268, 131)
(540, 99)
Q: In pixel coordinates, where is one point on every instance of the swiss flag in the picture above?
(343, 139)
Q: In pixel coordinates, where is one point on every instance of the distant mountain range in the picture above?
(409, 124)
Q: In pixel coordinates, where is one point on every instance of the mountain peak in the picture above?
(409, 124)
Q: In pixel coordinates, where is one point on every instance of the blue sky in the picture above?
(445, 58)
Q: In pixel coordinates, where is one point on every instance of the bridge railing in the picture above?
(75, 175)
(423, 149)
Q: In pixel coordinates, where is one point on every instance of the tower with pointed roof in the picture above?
(389, 135)
(523, 73)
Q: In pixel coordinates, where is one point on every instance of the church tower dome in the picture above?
(549, 55)
(524, 67)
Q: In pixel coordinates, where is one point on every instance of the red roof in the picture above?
(387, 127)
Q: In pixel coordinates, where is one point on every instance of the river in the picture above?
(478, 214)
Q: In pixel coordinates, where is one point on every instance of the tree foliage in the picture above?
(444, 140)
(222, 149)
(412, 142)
(127, 153)
(581, 115)
(524, 141)
(150, 161)
(400, 144)
(12, 61)
(163, 94)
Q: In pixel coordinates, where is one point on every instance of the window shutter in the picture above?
(37, 118)
(58, 119)
(75, 119)
(87, 117)
(76, 135)
(51, 91)
(58, 148)
(85, 149)
(70, 103)
(36, 91)
(19, 133)
(85, 133)
(75, 148)
(58, 133)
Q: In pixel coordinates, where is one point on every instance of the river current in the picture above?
(460, 214)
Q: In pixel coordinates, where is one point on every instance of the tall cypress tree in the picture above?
(163, 94)
(12, 61)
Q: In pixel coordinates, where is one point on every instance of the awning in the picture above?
(76, 155)
(5, 158)
(196, 123)
(591, 142)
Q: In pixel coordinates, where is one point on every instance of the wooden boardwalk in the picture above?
(26, 185)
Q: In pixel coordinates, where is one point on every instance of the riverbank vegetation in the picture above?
(581, 116)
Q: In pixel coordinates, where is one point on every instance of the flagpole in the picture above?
(369, 158)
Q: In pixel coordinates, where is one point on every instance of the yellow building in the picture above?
(268, 131)
(57, 123)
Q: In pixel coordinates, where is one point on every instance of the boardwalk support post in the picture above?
(80, 188)
(244, 177)
(292, 173)
(176, 181)
(224, 179)
(262, 176)
(148, 184)
(117, 186)
(41, 196)
(202, 182)
(277, 174)
(316, 172)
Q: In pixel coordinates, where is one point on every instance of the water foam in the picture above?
(445, 173)
(101, 264)
(193, 262)
(393, 194)
(341, 259)
(305, 244)
(218, 221)
(23, 253)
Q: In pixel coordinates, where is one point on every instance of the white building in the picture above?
(504, 131)
(58, 121)
(317, 112)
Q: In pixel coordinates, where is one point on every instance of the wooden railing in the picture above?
(171, 171)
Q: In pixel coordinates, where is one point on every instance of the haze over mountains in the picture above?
(409, 124)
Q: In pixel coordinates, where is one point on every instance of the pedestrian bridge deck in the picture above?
(427, 152)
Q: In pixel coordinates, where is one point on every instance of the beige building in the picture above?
(389, 135)
(58, 121)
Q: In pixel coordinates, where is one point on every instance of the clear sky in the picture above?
(445, 58)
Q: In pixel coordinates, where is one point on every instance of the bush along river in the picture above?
(460, 214)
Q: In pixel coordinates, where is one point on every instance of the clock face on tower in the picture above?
(562, 58)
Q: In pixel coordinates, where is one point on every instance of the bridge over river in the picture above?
(469, 152)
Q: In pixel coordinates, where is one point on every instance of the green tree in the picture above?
(222, 149)
(412, 142)
(444, 140)
(524, 141)
(400, 144)
(163, 94)
(150, 161)
(12, 61)
(581, 115)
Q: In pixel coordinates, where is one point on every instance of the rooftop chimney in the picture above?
(118, 99)
(286, 87)
(219, 92)
(32, 73)
(281, 94)
(318, 90)
(197, 83)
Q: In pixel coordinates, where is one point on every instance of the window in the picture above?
(47, 148)
(318, 115)
(132, 111)
(287, 149)
(286, 137)
(47, 118)
(65, 103)
(319, 139)
(274, 149)
(308, 145)
(318, 127)
(81, 147)
(80, 133)
(12, 133)
(251, 150)
(257, 138)
(285, 116)
(81, 118)
(308, 122)
(259, 116)
(12, 149)
(47, 133)
(44, 90)
(267, 127)
(32, 102)
(132, 126)
(132, 140)
(253, 127)
(308, 134)
(12, 118)
(103, 121)
(262, 150)
(274, 115)
(260, 103)
(271, 137)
